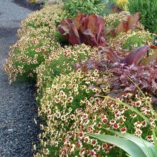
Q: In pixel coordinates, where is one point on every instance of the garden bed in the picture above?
(96, 73)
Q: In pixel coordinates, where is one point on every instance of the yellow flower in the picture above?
(122, 4)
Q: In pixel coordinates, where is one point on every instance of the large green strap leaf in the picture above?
(128, 146)
(147, 147)
(155, 139)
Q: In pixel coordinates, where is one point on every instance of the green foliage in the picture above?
(131, 39)
(84, 6)
(59, 38)
(137, 40)
(147, 9)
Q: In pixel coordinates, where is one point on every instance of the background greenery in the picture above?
(147, 8)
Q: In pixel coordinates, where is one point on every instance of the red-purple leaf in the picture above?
(88, 29)
(128, 77)
(131, 23)
(153, 47)
(111, 54)
(69, 31)
(136, 56)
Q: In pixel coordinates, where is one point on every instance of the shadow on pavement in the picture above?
(25, 4)
(5, 32)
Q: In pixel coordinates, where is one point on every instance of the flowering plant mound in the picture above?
(103, 114)
(76, 104)
(29, 52)
(49, 16)
(59, 62)
(59, 104)
(131, 40)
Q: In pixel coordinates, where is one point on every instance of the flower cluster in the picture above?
(101, 115)
(61, 61)
(61, 101)
(37, 39)
(49, 16)
(29, 52)
(76, 104)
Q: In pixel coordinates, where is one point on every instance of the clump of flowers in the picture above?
(61, 61)
(76, 104)
(49, 17)
(29, 52)
(61, 101)
(131, 40)
(105, 114)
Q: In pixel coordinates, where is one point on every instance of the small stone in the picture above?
(10, 130)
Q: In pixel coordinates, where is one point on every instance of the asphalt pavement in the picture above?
(17, 101)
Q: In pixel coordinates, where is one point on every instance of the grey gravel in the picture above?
(17, 101)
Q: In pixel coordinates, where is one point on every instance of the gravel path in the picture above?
(17, 101)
